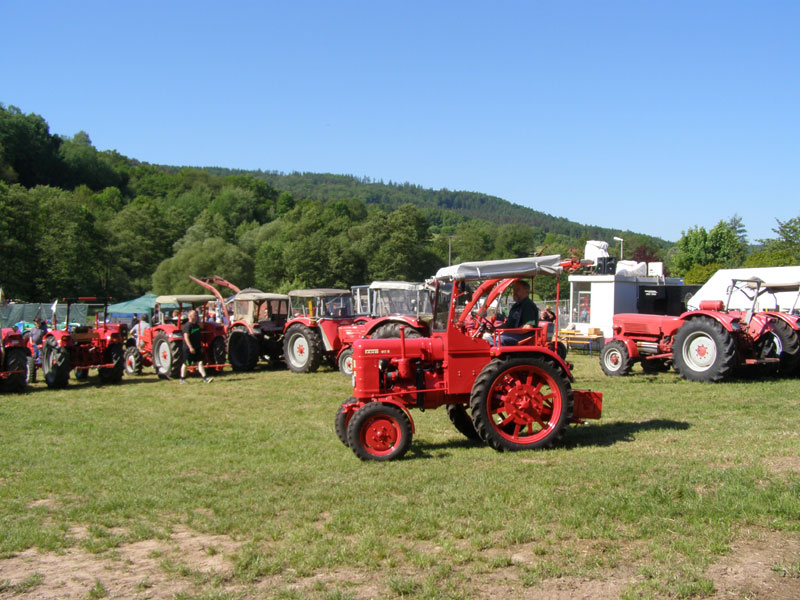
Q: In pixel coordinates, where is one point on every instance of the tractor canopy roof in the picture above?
(500, 269)
(769, 286)
(256, 295)
(192, 299)
(396, 285)
(316, 293)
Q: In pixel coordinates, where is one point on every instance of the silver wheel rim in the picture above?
(612, 355)
(298, 349)
(164, 357)
(700, 352)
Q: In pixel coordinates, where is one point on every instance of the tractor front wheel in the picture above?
(302, 349)
(55, 364)
(615, 360)
(704, 351)
(167, 356)
(114, 355)
(133, 361)
(521, 403)
(379, 431)
(346, 362)
(15, 360)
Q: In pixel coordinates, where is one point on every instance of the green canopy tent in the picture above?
(143, 305)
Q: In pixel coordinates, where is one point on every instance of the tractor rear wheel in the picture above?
(56, 364)
(343, 420)
(460, 418)
(346, 362)
(302, 349)
(167, 356)
(15, 360)
(392, 331)
(615, 360)
(790, 347)
(133, 361)
(379, 431)
(521, 403)
(114, 355)
(242, 350)
(704, 351)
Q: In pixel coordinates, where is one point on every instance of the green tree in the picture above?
(30, 152)
(213, 256)
(697, 247)
(699, 274)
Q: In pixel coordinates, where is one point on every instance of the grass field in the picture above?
(241, 489)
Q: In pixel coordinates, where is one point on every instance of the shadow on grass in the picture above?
(607, 434)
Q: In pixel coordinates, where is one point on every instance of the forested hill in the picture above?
(76, 221)
(437, 205)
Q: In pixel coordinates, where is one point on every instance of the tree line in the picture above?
(78, 221)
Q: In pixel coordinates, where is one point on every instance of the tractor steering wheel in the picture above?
(484, 325)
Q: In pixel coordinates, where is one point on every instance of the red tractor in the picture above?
(312, 331)
(706, 345)
(161, 345)
(81, 348)
(387, 306)
(13, 360)
(512, 396)
(254, 323)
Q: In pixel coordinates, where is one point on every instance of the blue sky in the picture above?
(654, 116)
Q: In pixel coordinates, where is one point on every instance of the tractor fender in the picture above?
(312, 323)
(792, 321)
(630, 345)
(401, 406)
(244, 324)
(521, 351)
(62, 338)
(724, 319)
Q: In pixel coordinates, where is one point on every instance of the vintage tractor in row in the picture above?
(13, 360)
(311, 333)
(512, 396)
(254, 323)
(161, 345)
(80, 348)
(385, 306)
(708, 345)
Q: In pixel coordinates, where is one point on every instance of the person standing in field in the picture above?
(191, 347)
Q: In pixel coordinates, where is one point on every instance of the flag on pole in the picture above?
(53, 309)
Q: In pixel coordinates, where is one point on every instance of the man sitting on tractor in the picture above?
(191, 347)
(523, 314)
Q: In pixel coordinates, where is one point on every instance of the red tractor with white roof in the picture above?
(311, 333)
(388, 306)
(82, 347)
(707, 345)
(254, 322)
(510, 395)
(13, 360)
(161, 345)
